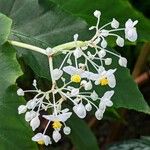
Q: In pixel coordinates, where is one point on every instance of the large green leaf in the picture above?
(38, 23)
(14, 132)
(119, 9)
(5, 26)
(80, 130)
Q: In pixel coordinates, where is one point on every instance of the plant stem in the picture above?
(28, 46)
(56, 49)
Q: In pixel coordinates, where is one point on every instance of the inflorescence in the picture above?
(79, 73)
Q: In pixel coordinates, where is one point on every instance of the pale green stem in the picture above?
(56, 49)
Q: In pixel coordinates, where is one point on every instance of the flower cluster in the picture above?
(82, 70)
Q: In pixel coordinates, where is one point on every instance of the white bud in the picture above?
(49, 51)
(120, 41)
(104, 43)
(102, 53)
(94, 96)
(92, 27)
(88, 107)
(74, 92)
(108, 61)
(122, 62)
(57, 73)
(20, 92)
(77, 53)
(35, 123)
(34, 83)
(104, 33)
(31, 104)
(80, 110)
(97, 40)
(88, 86)
(99, 114)
(114, 23)
(97, 13)
(75, 37)
(56, 135)
(22, 109)
(66, 130)
(30, 115)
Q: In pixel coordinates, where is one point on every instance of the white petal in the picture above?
(49, 117)
(70, 70)
(129, 23)
(120, 41)
(74, 92)
(35, 123)
(94, 96)
(107, 95)
(122, 62)
(66, 130)
(57, 73)
(104, 43)
(22, 109)
(108, 61)
(56, 135)
(97, 13)
(20, 92)
(111, 81)
(47, 140)
(90, 75)
(37, 137)
(114, 24)
(80, 110)
(64, 117)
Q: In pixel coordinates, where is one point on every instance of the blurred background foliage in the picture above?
(120, 126)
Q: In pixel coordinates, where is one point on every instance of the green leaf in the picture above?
(14, 132)
(119, 9)
(5, 26)
(81, 135)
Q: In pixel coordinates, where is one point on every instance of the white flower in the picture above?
(20, 92)
(35, 123)
(22, 109)
(67, 130)
(88, 107)
(80, 110)
(104, 43)
(108, 61)
(99, 114)
(94, 96)
(56, 135)
(97, 13)
(106, 100)
(102, 53)
(77, 53)
(120, 41)
(122, 61)
(76, 74)
(104, 78)
(57, 73)
(114, 23)
(130, 30)
(30, 115)
(74, 92)
(42, 139)
(60, 117)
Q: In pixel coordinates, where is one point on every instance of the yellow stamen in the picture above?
(103, 81)
(75, 78)
(56, 124)
(41, 142)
